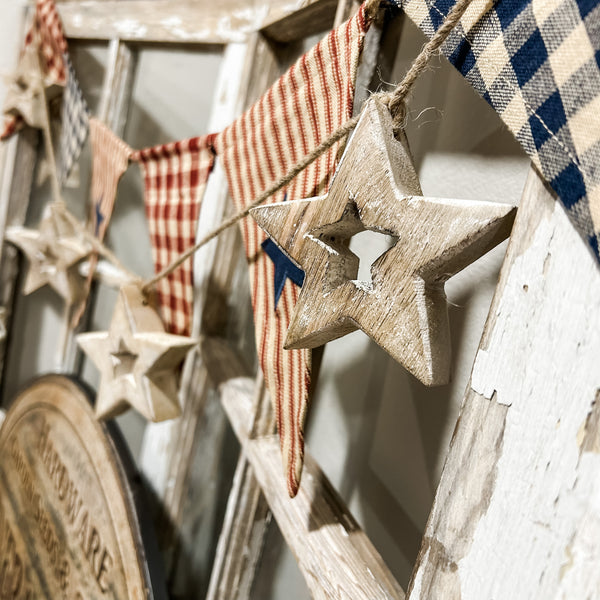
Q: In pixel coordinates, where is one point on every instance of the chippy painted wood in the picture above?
(69, 522)
(53, 252)
(404, 307)
(517, 511)
(138, 361)
(115, 97)
(16, 210)
(334, 554)
(179, 477)
(216, 268)
(198, 22)
(248, 515)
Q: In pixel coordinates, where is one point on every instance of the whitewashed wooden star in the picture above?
(404, 307)
(53, 251)
(138, 362)
(25, 89)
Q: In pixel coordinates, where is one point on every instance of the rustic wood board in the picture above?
(197, 22)
(335, 556)
(517, 511)
(67, 518)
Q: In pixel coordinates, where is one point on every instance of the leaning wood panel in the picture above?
(196, 22)
(16, 211)
(117, 88)
(335, 556)
(517, 511)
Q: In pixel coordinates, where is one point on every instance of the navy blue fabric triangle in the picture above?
(284, 268)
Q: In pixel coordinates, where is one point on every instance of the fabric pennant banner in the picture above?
(299, 111)
(110, 158)
(536, 62)
(175, 177)
(45, 47)
(75, 123)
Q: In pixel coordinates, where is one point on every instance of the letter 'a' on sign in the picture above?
(68, 524)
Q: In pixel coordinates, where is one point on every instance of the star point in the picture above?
(403, 307)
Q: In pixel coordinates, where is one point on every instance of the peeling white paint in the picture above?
(542, 524)
(131, 28)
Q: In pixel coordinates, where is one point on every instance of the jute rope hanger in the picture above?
(395, 101)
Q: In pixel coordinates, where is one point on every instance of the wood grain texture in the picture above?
(517, 511)
(15, 209)
(69, 525)
(53, 252)
(334, 554)
(182, 459)
(194, 21)
(248, 514)
(404, 307)
(113, 109)
(138, 361)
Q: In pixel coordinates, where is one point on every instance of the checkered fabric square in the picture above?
(75, 122)
(300, 110)
(537, 64)
(175, 177)
(47, 31)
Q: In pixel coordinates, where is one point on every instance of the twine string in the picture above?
(94, 242)
(396, 102)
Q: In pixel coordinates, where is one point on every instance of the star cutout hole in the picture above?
(370, 246)
(356, 248)
(123, 360)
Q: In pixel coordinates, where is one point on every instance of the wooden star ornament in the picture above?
(138, 362)
(404, 307)
(25, 90)
(53, 252)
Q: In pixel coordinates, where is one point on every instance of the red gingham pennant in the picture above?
(175, 177)
(47, 31)
(299, 111)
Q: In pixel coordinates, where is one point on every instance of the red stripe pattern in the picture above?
(110, 158)
(175, 177)
(299, 111)
(47, 30)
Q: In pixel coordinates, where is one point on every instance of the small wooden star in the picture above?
(404, 307)
(53, 252)
(138, 362)
(25, 90)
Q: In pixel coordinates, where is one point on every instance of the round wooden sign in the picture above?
(68, 525)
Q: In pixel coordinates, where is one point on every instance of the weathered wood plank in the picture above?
(335, 556)
(517, 511)
(248, 514)
(117, 88)
(16, 211)
(186, 486)
(245, 523)
(196, 22)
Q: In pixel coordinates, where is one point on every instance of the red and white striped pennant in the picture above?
(295, 115)
(47, 31)
(110, 158)
(175, 177)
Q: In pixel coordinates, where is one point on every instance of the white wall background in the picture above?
(379, 434)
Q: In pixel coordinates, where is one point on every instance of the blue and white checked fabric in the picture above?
(75, 122)
(536, 62)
